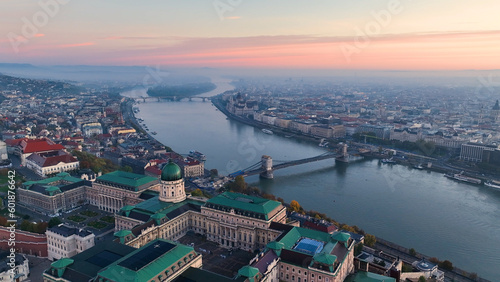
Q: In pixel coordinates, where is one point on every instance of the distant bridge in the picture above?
(266, 168)
(171, 98)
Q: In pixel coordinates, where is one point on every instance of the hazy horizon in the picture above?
(365, 35)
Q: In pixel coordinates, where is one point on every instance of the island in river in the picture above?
(181, 91)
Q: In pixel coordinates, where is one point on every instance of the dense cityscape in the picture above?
(89, 171)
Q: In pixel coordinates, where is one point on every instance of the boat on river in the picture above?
(197, 155)
(267, 131)
(461, 177)
(388, 161)
(492, 184)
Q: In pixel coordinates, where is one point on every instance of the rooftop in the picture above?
(67, 231)
(39, 145)
(260, 206)
(127, 179)
(88, 263)
(301, 245)
(147, 262)
(363, 276)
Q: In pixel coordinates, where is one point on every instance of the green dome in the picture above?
(171, 172)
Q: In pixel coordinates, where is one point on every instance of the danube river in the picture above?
(417, 209)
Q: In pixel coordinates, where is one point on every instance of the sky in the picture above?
(255, 34)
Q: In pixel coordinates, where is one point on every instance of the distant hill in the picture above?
(37, 86)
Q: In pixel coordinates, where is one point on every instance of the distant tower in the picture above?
(172, 184)
(495, 112)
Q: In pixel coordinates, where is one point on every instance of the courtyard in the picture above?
(217, 259)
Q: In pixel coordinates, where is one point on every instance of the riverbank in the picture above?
(216, 101)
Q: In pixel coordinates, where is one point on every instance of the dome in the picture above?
(171, 172)
(496, 107)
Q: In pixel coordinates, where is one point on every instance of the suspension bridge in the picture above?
(171, 98)
(267, 165)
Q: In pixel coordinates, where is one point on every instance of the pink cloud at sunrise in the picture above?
(416, 35)
(448, 51)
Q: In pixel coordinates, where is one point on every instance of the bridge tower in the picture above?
(267, 165)
(344, 157)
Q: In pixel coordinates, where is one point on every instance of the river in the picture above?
(414, 208)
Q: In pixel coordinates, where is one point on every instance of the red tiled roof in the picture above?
(46, 161)
(50, 161)
(13, 142)
(39, 145)
(153, 170)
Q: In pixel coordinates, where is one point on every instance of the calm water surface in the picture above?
(417, 209)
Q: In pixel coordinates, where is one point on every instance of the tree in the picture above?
(446, 265)
(434, 260)
(3, 221)
(370, 240)
(239, 185)
(295, 206)
(54, 222)
(40, 227)
(197, 193)
(421, 279)
(412, 252)
(126, 168)
(358, 249)
(26, 226)
(214, 172)
(407, 268)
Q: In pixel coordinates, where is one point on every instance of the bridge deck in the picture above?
(292, 163)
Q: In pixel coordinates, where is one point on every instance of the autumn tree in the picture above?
(294, 206)
(370, 240)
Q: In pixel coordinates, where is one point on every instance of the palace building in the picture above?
(112, 191)
(109, 192)
(230, 219)
(53, 195)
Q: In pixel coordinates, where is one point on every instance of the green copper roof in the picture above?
(52, 190)
(62, 263)
(127, 179)
(248, 271)
(171, 172)
(127, 208)
(61, 176)
(154, 205)
(363, 276)
(298, 232)
(275, 245)
(341, 236)
(122, 233)
(244, 202)
(325, 258)
(117, 272)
